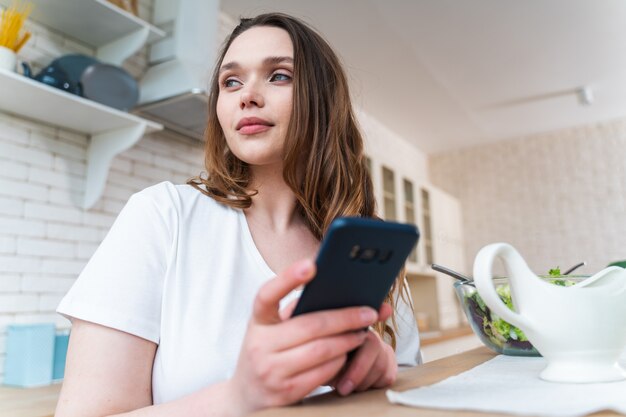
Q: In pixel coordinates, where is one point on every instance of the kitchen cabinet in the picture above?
(115, 35)
(405, 198)
(441, 242)
(447, 250)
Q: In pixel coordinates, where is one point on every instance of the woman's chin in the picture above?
(257, 154)
(262, 161)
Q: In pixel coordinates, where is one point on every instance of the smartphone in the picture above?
(357, 263)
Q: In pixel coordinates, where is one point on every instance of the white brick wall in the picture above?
(45, 237)
(558, 197)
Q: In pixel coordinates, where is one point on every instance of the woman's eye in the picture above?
(231, 82)
(280, 77)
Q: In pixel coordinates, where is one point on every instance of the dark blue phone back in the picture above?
(357, 264)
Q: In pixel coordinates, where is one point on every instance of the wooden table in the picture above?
(375, 403)
(41, 402)
(29, 402)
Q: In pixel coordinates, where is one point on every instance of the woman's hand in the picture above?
(373, 365)
(282, 360)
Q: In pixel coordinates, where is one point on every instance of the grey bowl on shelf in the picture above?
(110, 85)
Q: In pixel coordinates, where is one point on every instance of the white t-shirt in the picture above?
(181, 270)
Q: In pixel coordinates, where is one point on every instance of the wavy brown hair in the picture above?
(324, 164)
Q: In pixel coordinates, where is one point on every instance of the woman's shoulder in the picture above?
(180, 197)
(165, 190)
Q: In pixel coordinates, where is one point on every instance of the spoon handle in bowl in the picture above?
(453, 274)
(575, 267)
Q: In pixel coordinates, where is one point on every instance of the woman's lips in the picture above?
(252, 125)
(253, 129)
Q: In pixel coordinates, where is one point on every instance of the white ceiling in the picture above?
(449, 74)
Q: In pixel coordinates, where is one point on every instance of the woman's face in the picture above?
(255, 94)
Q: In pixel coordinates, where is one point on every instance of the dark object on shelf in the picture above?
(53, 76)
(110, 85)
(86, 76)
(74, 65)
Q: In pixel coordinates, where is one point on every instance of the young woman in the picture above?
(184, 308)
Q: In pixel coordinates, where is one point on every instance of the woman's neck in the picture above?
(275, 204)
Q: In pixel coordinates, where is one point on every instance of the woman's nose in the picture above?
(251, 97)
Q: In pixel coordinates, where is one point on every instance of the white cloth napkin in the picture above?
(511, 385)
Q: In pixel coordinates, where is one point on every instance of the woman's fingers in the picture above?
(319, 375)
(319, 351)
(286, 312)
(376, 372)
(391, 373)
(384, 312)
(363, 364)
(311, 326)
(266, 303)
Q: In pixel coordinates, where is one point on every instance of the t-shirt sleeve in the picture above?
(121, 285)
(408, 351)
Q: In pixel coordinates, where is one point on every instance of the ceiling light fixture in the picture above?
(585, 95)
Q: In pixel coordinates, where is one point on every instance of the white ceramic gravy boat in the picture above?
(580, 330)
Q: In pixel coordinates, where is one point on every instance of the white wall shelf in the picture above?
(112, 131)
(113, 32)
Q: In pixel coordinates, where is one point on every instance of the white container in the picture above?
(580, 330)
(8, 58)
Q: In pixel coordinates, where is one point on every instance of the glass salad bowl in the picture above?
(493, 331)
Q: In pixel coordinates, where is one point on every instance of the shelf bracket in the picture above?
(103, 147)
(117, 51)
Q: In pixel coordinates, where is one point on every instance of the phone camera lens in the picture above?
(354, 253)
(385, 256)
(368, 254)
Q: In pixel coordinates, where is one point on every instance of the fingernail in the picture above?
(346, 387)
(305, 269)
(368, 315)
